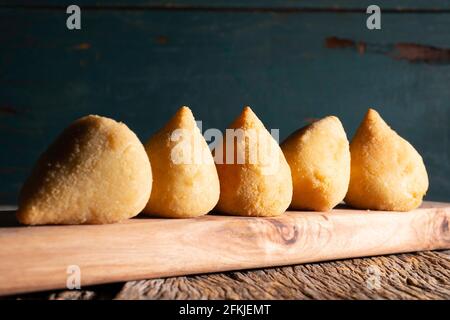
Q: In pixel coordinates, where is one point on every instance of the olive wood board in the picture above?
(38, 258)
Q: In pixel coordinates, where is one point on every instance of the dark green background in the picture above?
(138, 61)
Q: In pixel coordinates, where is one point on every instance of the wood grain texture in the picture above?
(36, 258)
(408, 276)
(400, 5)
(139, 66)
(422, 275)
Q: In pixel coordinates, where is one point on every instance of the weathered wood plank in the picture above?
(139, 67)
(424, 275)
(407, 276)
(401, 5)
(212, 243)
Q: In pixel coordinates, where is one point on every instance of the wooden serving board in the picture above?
(37, 258)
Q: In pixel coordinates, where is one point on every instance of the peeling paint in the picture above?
(82, 46)
(334, 43)
(412, 52)
(8, 110)
(162, 40)
(421, 53)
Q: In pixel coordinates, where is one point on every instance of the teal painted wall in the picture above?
(139, 61)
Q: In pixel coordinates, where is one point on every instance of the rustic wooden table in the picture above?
(423, 275)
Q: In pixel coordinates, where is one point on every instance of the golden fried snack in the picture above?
(319, 157)
(256, 179)
(387, 173)
(95, 172)
(185, 181)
